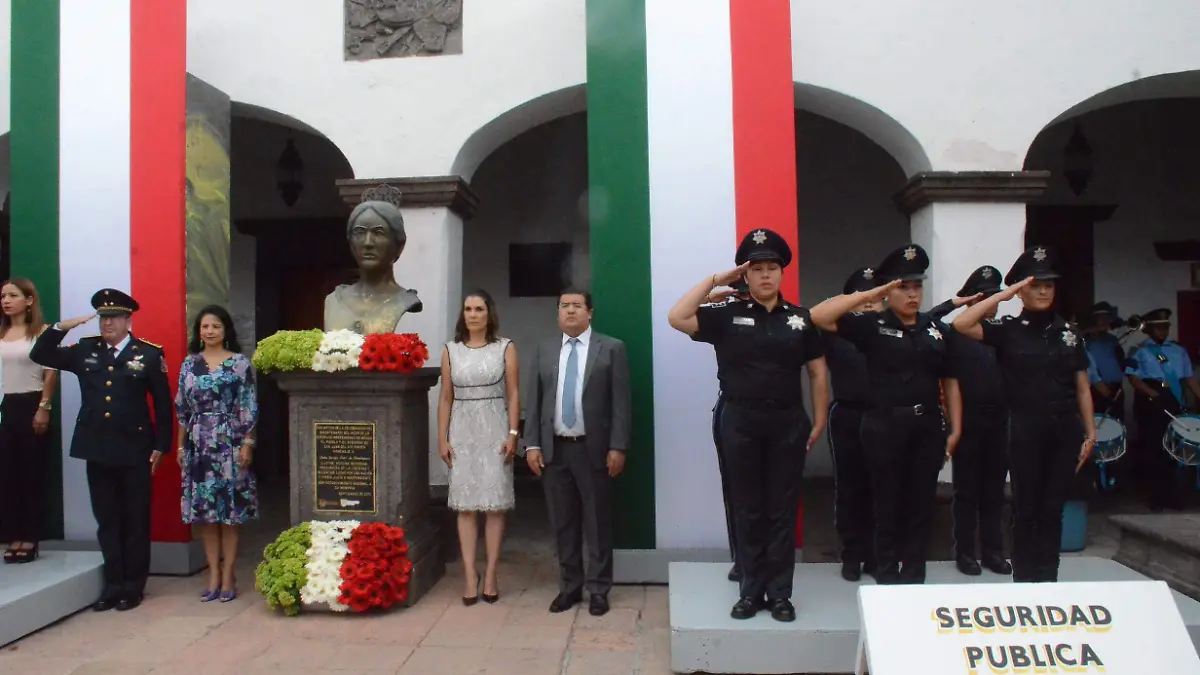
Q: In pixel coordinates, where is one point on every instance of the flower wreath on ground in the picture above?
(342, 564)
(340, 350)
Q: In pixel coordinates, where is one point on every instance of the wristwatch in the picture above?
(44, 405)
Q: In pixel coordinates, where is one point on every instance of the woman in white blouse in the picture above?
(24, 421)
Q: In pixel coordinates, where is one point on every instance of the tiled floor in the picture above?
(173, 633)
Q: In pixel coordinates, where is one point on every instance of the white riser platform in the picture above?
(37, 594)
(824, 637)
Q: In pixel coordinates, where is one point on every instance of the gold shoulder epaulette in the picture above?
(144, 340)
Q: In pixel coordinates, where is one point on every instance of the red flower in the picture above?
(376, 571)
(393, 353)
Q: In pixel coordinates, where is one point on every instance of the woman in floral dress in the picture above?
(217, 409)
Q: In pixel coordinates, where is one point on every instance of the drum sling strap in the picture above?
(1173, 382)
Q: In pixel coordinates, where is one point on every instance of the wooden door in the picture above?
(1187, 322)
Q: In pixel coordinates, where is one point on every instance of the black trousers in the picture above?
(730, 520)
(906, 452)
(1043, 449)
(22, 456)
(853, 514)
(121, 505)
(579, 495)
(1159, 471)
(980, 465)
(764, 451)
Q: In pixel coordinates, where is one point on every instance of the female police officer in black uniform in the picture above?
(1051, 430)
(763, 346)
(902, 428)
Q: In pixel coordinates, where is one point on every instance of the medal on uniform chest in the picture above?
(1069, 338)
(795, 322)
(135, 363)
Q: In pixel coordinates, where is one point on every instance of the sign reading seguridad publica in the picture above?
(1115, 628)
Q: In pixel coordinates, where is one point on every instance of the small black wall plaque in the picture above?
(538, 270)
(345, 466)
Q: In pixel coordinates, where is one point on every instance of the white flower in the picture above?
(324, 564)
(339, 350)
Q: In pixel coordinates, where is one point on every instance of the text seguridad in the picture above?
(1072, 657)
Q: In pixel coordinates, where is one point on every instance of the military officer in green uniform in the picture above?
(116, 435)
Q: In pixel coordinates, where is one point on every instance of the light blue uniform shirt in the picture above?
(1092, 373)
(1168, 362)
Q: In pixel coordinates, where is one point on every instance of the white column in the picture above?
(963, 236)
(432, 265)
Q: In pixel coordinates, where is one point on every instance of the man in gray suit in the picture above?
(577, 423)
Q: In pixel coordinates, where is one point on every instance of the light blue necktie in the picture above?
(568, 403)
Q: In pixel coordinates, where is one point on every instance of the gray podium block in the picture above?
(35, 595)
(824, 637)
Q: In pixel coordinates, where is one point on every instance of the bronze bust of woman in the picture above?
(375, 303)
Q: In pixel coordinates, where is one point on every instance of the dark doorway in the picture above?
(1069, 231)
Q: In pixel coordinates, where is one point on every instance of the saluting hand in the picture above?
(727, 278)
(70, 324)
(880, 292)
(1011, 292)
(718, 296)
(959, 302)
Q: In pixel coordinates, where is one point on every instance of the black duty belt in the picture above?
(570, 439)
(768, 403)
(916, 410)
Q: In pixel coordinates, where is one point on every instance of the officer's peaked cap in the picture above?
(763, 244)
(1039, 262)
(111, 302)
(984, 280)
(907, 263)
(863, 279)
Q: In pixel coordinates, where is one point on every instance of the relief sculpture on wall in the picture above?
(378, 29)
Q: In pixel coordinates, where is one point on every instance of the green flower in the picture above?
(287, 350)
(281, 574)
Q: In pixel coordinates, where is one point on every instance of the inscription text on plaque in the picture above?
(345, 466)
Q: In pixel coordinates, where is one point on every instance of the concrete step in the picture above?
(35, 595)
(1162, 546)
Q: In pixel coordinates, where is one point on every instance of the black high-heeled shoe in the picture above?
(491, 598)
(469, 600)
(27, 555)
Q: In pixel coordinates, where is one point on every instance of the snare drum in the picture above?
(1182, 439)
(1110, 439)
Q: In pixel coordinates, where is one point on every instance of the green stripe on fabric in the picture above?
(619, 226)
(34, 185)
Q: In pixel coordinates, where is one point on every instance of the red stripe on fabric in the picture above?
(764, 132)
(158, 84)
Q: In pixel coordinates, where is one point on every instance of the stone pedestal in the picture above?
(393, 410)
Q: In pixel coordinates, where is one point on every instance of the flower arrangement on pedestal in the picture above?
(340, 350)
(343, 564)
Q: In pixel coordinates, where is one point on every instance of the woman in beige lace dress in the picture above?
(478, 414)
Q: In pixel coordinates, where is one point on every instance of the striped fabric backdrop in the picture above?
(98, 106)
(699, 105)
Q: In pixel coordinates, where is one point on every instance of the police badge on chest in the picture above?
(136, 364)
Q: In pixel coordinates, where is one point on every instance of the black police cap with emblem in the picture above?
(111, 302)
(1039, 262)
(863, 279)
(984, 280)
(1157, 316)
(907, 263)
(763, 244)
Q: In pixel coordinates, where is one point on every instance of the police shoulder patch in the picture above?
(722, 303)
(856, 313)
(998, 320)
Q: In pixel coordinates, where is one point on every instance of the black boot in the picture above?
(968, 566)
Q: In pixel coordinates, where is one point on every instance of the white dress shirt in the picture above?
(581, 351)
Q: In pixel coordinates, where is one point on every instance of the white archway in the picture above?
(868, 120)
(514, 122)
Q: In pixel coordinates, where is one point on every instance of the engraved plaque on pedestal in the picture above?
(344, 457)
